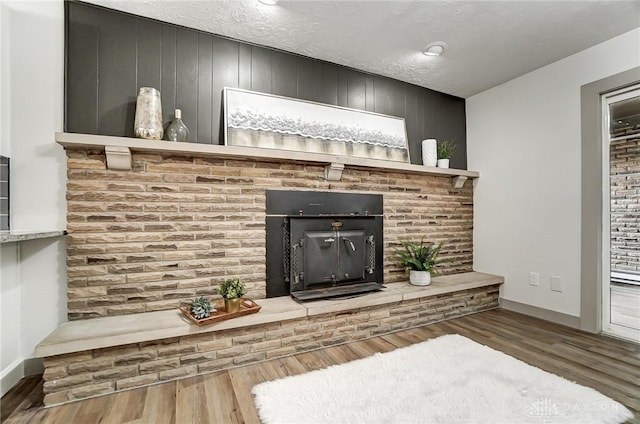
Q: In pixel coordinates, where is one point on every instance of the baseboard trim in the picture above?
(545, 314)
(10, 376)
(17, 371)
(33, 366)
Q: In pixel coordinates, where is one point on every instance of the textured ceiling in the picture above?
(489, 42)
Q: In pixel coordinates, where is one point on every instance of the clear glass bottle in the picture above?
(177, 130)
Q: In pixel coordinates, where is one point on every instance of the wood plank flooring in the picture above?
(608, 365)
(625, 305)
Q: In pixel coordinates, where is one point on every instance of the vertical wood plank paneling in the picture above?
(304, 88)
(318, 80)
(457, 132)
(149, 57)
(330, 84)
(370, 93)
(421, 132)
(429, 129)
(261, 69)
(105, 67)
(225, 74)
(411, 123)
(309, 80)
(82, 69)
(382, 96)
(205, 89)
(117, 74)
(343, 87)
(187, 78)
(443, 118)
(244, 66)
(397, 95)
(284, 75)
(168, 73)
(356, 90)
(438, 115)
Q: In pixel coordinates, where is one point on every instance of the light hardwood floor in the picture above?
(609, 365)
(625, 305)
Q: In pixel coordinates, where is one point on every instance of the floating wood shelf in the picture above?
(118, 151)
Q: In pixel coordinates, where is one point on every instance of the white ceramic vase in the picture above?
(429, 152)
(443, 163)
(419, 278)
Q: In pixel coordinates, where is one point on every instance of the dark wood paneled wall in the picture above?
(110, 54)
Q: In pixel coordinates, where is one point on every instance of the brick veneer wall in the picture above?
(174, 226)
(625, 204)
(102, 371)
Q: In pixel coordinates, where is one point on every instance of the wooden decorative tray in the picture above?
(247, 306)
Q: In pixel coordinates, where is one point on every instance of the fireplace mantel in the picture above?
(118, 152)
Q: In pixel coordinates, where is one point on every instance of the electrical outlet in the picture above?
(556, 283)
(534, 279)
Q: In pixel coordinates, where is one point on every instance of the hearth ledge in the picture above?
(97, 333)
(118, 151)
(17, 236)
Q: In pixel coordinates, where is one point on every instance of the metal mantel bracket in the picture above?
(333, 171)
(118, 158)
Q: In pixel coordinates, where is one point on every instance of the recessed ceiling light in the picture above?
(269, 2)
(435, 49)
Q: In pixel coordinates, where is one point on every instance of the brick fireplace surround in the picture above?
(145, 241)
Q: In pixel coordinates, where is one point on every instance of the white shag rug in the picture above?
(450, 379)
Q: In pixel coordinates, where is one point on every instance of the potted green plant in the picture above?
(445, 151)
(232, 290)
(421, 259)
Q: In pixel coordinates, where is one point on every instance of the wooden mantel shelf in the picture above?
(118, 151)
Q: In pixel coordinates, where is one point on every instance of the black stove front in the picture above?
(322, 244)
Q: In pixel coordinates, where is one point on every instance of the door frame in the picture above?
(607, 99)
(591, 195)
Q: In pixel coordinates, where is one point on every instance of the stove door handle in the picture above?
(351, 245)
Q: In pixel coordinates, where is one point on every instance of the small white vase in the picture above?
(429, 152)
(443, 163)
(419, 278)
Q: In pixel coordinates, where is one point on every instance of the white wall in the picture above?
(33, 277)
(10, 357)
(524, 138)
(4, 51)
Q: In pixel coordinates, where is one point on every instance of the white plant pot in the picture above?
(429, 152)
(443, 163)
(419, 278)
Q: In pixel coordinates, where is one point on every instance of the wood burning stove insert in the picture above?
(322, 244)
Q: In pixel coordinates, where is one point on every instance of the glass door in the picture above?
(621, 213)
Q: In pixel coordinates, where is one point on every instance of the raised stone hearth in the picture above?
(154, 224)
(104, 355)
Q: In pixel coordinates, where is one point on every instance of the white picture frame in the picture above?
(268, 121)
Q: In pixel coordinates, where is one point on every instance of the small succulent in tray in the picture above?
(201, 308)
